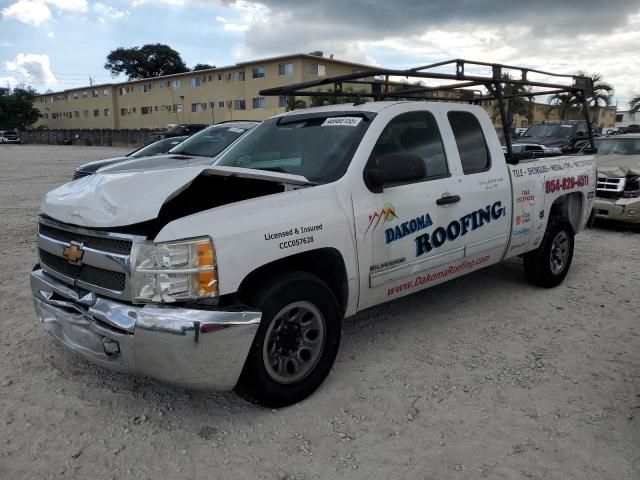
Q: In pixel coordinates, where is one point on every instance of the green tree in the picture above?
(294, 103)
(565, 102)
(16, 107)
(518, 101)
(634, 104)
(602, 91)
(148, 61)
(202, 66)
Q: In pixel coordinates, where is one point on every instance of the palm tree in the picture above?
(634, 104)
(602, 91)
(294, 103)
(518, 101)
(566, 103)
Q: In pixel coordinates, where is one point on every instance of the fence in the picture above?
(109, 138)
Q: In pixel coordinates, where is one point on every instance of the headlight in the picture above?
(174, 271)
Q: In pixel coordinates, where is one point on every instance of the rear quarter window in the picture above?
(472, 146)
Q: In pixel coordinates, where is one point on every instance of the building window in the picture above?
(259, 102)
(85, 113)
(198, 107)
(175, 84)
(75, 95)
(282, 101)
(238, 76)
(285, 69)
(122, 91)
(145, 110)
(107, 112)
(257, 72)
(105, 92)
(96, 113)
(76, 114)
(318, 69)
(124, 111)
(177, 107)
(45, 116)
(239, 105)
(619, 117)
(155, 108)
(94, 93)
(221, 104)
(212, 104)
(195, 82)
(85, 94)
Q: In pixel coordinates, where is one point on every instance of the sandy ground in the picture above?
(483, 377)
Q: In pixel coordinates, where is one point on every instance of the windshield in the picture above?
(155, 148)
(549, 130)
(619, 146)
(319, 148)
(210, 141)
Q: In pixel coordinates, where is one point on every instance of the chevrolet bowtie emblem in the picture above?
(73, 253)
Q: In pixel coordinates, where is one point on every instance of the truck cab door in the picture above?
(395, 225)
(413, 235)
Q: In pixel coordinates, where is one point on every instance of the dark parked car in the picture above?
(562, 134)
(155, 148)
(199, 149)
(179, 129)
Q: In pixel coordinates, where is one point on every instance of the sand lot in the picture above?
(482, 377)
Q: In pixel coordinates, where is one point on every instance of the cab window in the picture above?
(416, 133)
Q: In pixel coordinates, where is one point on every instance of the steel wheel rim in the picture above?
(559, 253)
(294, 342)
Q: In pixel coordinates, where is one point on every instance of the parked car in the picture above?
(178, 130)
(618, 189)
(532, 150)
(557, 134)
(9, 136)
(199, 149)
(239, 275)
(155, 148)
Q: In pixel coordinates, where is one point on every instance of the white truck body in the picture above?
(391, 243)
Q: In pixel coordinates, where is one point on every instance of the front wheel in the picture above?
(549, 263)
(296, 343)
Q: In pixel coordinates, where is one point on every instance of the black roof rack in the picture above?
(462, 80)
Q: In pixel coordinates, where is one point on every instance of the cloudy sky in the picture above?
(59, 44)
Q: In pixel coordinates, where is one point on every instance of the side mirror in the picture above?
(394, 168)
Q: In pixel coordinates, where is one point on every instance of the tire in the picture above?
(549, 263)
(296, 343)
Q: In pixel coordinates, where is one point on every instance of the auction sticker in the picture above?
(342, 122)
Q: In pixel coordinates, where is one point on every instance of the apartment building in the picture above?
(206, 96)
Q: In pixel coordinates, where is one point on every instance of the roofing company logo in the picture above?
(387, 214)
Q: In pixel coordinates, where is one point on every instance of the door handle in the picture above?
(448, 199)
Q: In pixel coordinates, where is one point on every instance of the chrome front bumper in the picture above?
(203, 349)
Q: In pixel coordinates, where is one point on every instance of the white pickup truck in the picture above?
(240, 275)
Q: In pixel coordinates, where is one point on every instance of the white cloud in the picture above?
(36, 12)
(32, 12)
(107, 12)
(9, 81)
(51, 34)
(32, 68)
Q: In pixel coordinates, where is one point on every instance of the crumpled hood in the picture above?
(128, 198)
(117, 199)
(616, 166)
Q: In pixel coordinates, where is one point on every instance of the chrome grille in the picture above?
(104, 266)
(85, 273)
(106, 244)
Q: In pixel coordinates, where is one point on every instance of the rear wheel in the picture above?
(296, 343)
(549, 263)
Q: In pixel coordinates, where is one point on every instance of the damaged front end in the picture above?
(108, 291)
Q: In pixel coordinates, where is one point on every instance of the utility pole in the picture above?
(90, 81)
